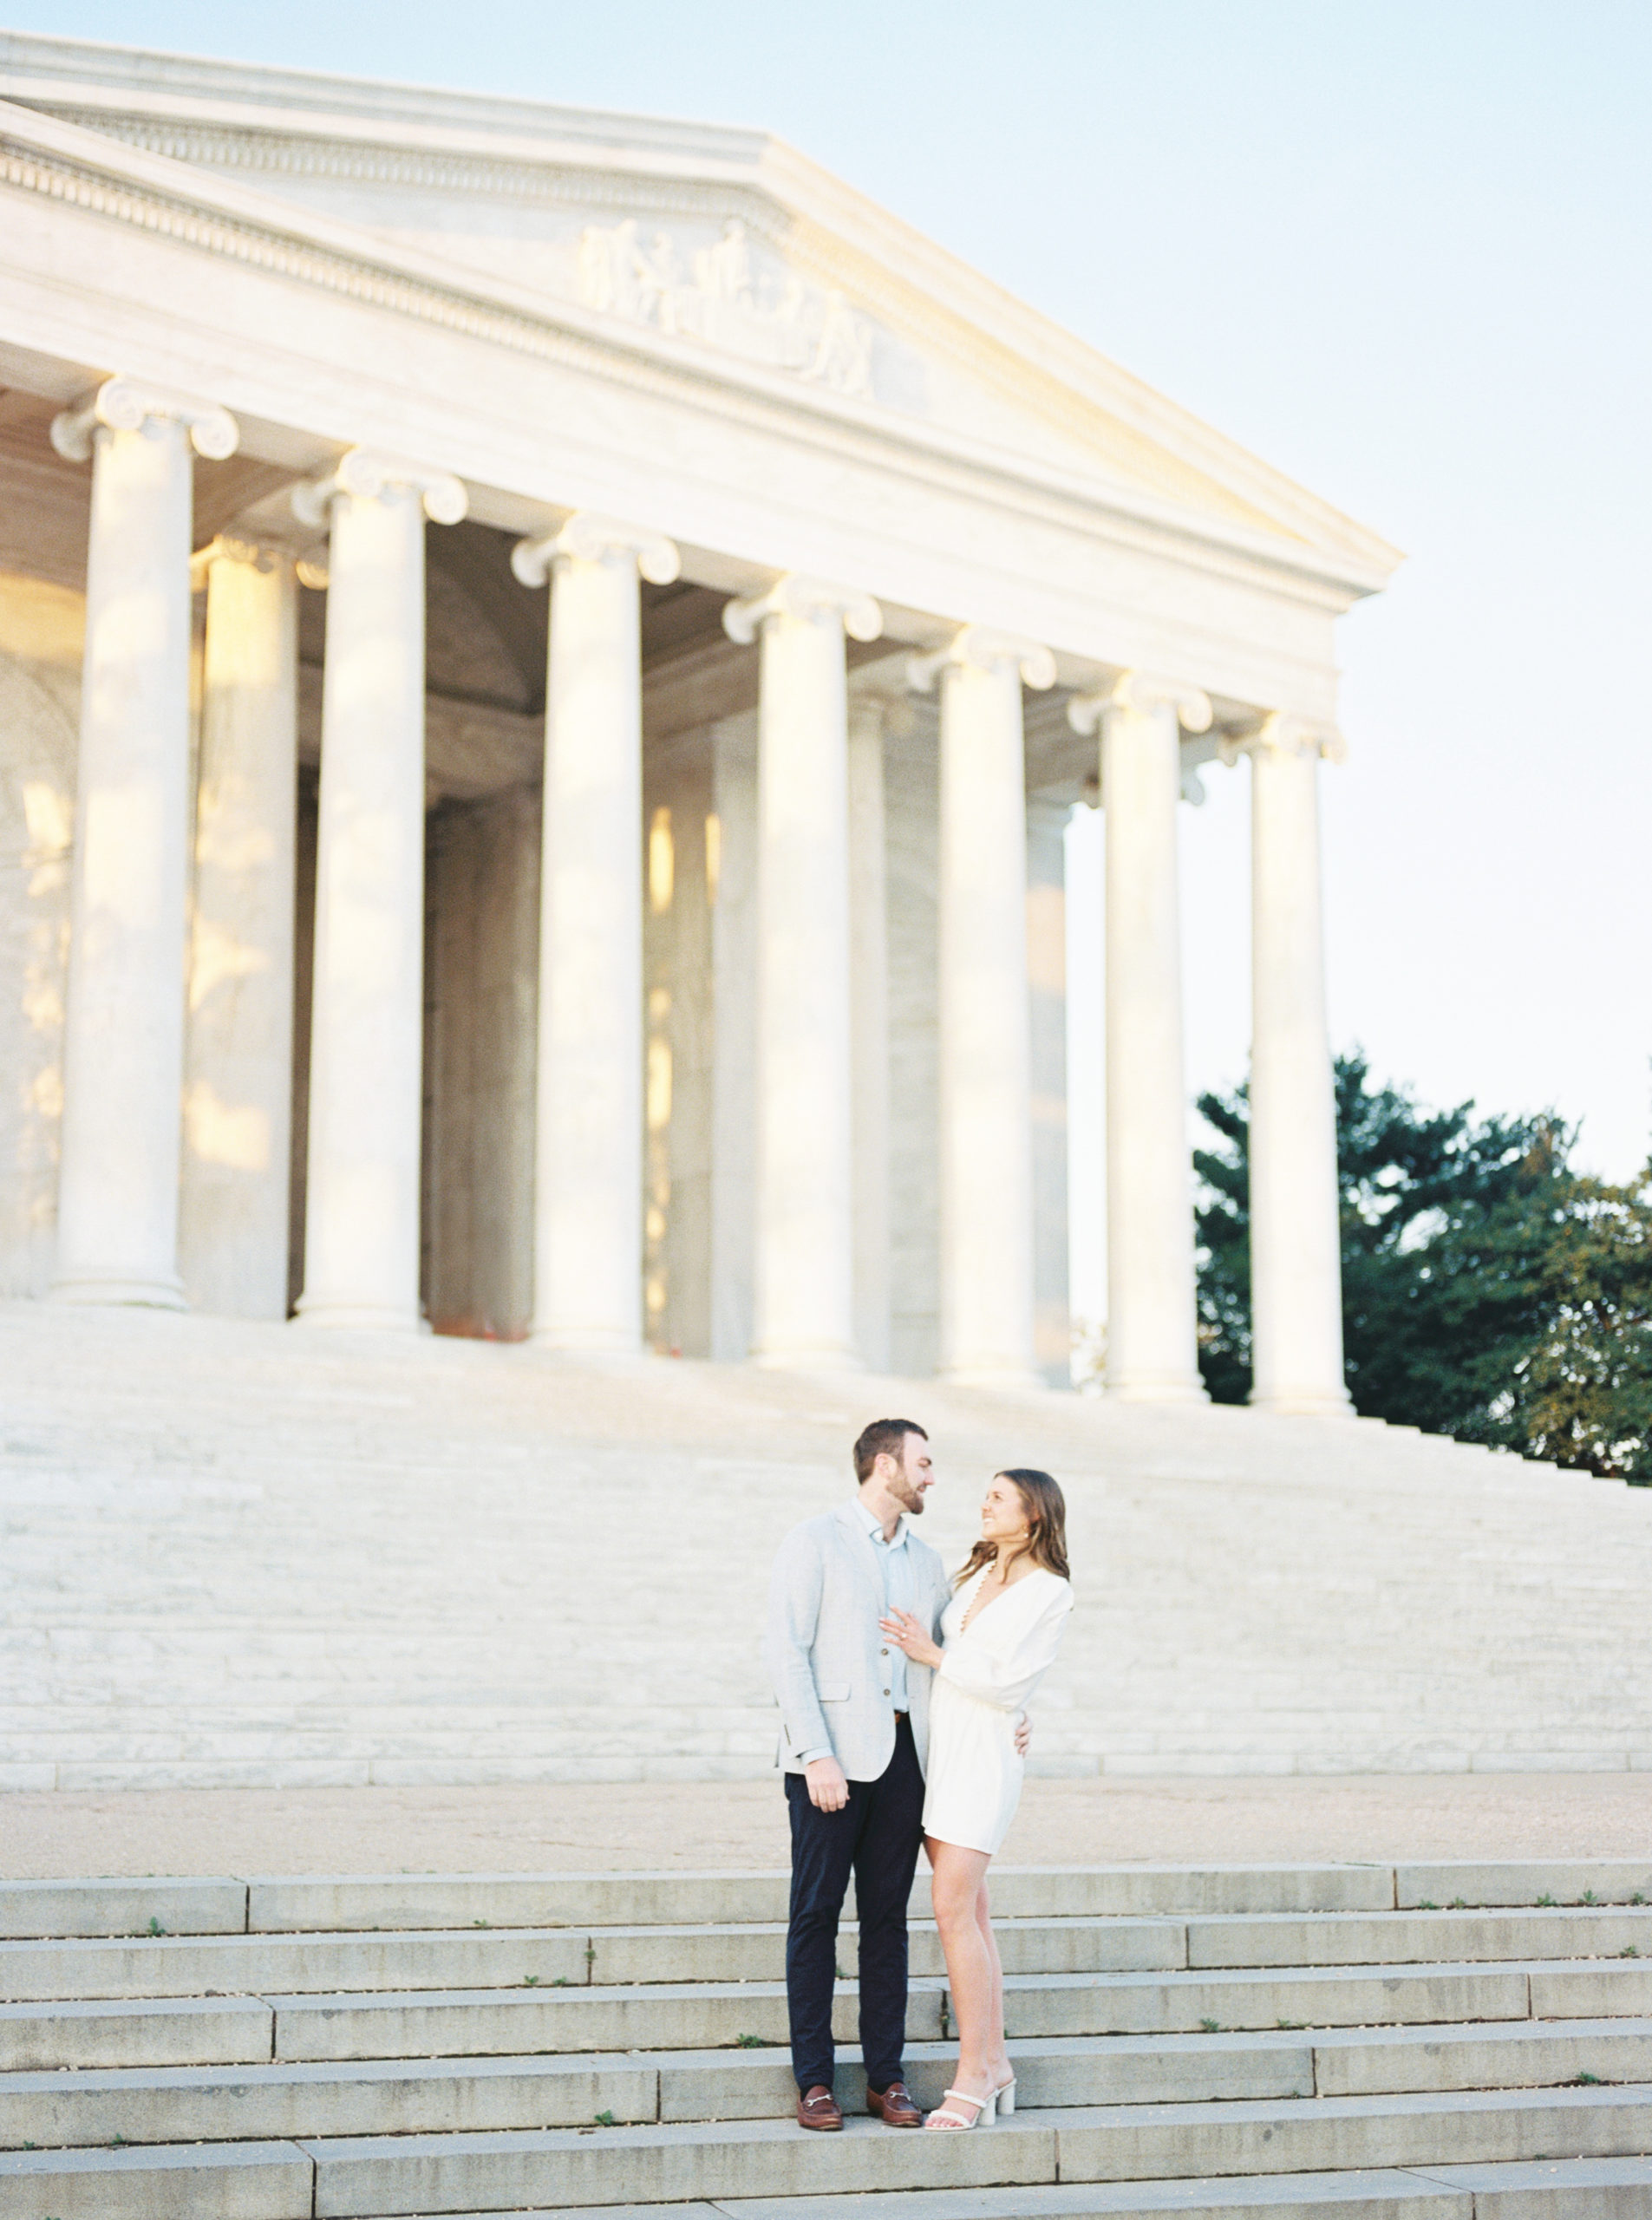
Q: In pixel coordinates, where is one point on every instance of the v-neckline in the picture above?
(972, 1615)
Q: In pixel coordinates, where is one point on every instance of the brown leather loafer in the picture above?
(894, 2106)
(818, 2108)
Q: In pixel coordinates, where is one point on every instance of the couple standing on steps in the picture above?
(901, 1694)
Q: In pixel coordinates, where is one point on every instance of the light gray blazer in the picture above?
(826, 1656)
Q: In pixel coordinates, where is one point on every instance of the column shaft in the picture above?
(869, 971)
(588, 1190)
(804, 1261)
(362, 1202)
(237, 1101)
(985, 1078)
(123, 1045)
(1296, 1249)
(1151, 1329)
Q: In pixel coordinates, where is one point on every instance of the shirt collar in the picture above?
(874, 1527)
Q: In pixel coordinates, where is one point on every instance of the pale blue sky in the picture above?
(1401, 251)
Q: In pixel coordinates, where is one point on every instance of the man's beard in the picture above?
(909, 1498)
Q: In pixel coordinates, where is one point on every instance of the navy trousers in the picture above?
(876, 1836)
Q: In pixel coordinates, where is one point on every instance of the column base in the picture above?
(1304, 1403)
(117, 1289)
(357, 1317)
(593, 1346)
(820, 1359)
(1146, 1388)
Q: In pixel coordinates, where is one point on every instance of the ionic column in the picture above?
(1151, 1319)
(985, 1050)
(366, 1020)
(123, 1046)
(803, 1262)
(237, 1063)
(1295, 1240)
(869, 1020)
(588, 1164)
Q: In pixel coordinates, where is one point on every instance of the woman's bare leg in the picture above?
(997, 2055)
(972, 1970)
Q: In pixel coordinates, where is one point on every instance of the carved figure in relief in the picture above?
(724, 272)
(843, 357)
(782, 321)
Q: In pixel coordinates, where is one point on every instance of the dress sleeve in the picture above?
(1006, 1655)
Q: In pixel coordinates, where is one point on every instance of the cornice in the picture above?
(835, 259)
(87, 169)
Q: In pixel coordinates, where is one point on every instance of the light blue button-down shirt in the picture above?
(895, 1563)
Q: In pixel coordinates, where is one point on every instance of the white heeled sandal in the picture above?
(985, 2110)
(1004, 2097)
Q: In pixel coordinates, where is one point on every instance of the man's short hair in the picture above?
(884, 1437)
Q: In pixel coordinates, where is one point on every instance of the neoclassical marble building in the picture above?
(544, 659)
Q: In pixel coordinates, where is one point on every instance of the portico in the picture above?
(569, 875)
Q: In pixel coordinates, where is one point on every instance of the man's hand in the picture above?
(828, 1790)
(1023, 1735)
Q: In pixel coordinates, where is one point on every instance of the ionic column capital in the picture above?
(1281, 734)
(587, 538)
(977, 647)
(369, 476)
(808, 598)
(256, 551)
(124, 405)
(1142, 692)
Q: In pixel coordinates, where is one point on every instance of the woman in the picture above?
(1001, 1631)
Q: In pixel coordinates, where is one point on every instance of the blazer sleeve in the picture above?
(1003, 1664)
(794, 1591)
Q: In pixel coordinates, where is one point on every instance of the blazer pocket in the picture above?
(834, 1692)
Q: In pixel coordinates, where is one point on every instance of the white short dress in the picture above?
(980, 1687)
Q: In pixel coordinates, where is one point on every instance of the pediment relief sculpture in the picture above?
(720, 294)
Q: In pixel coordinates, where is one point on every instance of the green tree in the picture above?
(1582, 1394)
(1489, 1292)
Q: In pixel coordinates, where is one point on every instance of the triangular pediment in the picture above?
(721, 248)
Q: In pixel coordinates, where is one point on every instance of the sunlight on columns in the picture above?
(661, 863)
(713, 857)
(222, 1132)
(659, 1074)
(218, 956)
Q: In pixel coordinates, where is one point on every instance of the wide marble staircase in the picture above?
(242, 1554)
(1420, 2042)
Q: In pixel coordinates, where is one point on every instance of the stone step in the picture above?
(425, 2096)
(558, 2167)
(49, 2034)
(412, 1902)
(512, 1957)
(1398, 1938)
(479, 1957)
(265, 2184)
(39, 1908)
(45, 1909)
(48, 2037)
(1551, 2189)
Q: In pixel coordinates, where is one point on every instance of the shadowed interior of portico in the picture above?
(486, 648)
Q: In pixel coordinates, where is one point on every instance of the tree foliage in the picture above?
(1488, 1290)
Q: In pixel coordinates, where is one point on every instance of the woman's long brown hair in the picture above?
(1046, 1543)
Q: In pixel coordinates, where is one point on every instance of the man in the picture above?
(854, 1730)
